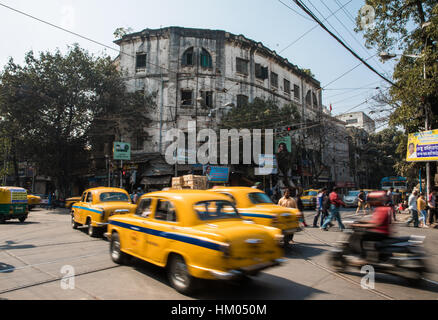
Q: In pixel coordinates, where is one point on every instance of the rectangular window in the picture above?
(261, 72)
(140, 61)
(186, 97)
(137, 142)
(165, 211)
(286, 86)
(274, 79)
(242, 100)
(351, 121)
(296, 91)
(242, 66)
(207, 97)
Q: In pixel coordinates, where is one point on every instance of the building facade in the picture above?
(196, 73)
(358, 120)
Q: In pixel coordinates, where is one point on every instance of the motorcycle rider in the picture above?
(376, 230)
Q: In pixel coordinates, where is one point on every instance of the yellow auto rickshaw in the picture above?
(13, 204)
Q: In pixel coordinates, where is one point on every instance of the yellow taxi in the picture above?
(13, 204)
(196, 235)
(33, 201)
(97, 205)
(255, 205)
(309, 198)
(70, 201)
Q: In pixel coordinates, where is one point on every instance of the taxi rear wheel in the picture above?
(179, 275)
(92, 232)
(117, 255)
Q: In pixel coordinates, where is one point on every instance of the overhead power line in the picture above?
(311, 14)
(292, 9)
(308, 31)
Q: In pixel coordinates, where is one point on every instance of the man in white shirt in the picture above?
(412, 203)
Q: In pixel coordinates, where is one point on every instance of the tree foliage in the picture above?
(261, 114)
(399, 27)
(50, 104)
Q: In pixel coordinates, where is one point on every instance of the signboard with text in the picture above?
(217, 174)
(423, 146)
(122, 151)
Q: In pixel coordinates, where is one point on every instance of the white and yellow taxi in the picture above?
(255, 205)
(195, 235)
(97, 205)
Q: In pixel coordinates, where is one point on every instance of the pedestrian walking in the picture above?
(319, 208)
(300, 205)
(390, 203)
(287, 201)
(325, 208)
(361, 201)
(412, 203)
(432, 207)
(335, 204)
(421, 206)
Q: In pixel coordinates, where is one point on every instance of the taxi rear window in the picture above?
(216, 210)
(113, 196)
(259, 198)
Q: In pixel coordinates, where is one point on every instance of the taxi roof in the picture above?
(100, 189)
(249, 189)
(187, 195)
(10, 188)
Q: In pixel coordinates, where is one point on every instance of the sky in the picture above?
(266, 21)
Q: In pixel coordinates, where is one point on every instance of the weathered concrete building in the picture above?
(196, 72)
(358, 120)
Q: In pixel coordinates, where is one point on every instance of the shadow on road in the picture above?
(305, 250)
(6, 268)
(265, 286)
(396, 280)
(11, 245)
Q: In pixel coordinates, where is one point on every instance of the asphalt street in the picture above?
(39, 258)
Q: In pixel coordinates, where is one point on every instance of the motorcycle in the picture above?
(400, 256)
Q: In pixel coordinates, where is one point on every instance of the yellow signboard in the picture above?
(423, 146)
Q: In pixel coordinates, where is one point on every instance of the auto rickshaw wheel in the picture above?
(22, 219)
(2, 220)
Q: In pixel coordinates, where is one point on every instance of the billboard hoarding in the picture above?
(267, 165)
(217, 174)
(422, 146)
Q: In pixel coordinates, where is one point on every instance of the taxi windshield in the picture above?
(113, 196)
(258, 198)
(310, 193)
(215, 210)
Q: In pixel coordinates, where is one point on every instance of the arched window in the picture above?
(187, 58)
(309, 98)
(315, 100)
(206, 61)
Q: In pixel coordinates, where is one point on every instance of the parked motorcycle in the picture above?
(400, 256)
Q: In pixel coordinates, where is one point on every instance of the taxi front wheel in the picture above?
(179, 275)
(74, 224)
